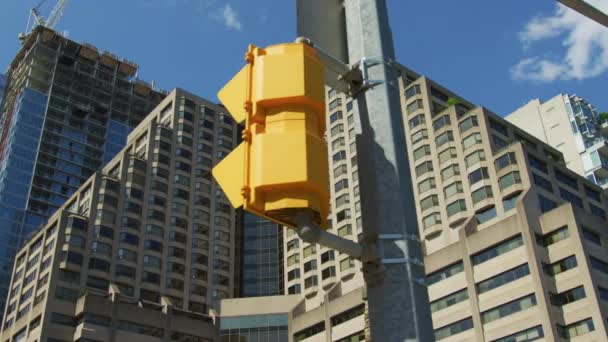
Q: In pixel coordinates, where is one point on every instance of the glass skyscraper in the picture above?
(2, 85)
(66, 110)
(262, 257)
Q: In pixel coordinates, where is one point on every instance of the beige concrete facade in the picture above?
(152, 226)
(514, 241)
(571, 125)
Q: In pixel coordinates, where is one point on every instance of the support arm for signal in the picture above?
(311, 233)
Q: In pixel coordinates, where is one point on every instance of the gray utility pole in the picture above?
(397, 297)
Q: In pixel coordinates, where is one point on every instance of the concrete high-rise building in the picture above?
(67, 110)
(513, 240)
(152, 225)
(262, 257)
(571, 125)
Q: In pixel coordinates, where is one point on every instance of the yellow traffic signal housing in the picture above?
(281, 167)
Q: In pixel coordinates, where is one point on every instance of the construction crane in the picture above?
(587, 10)
(50, 22)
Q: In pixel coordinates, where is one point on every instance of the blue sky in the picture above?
(499, 54)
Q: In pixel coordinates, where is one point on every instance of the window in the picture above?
(471, 140)
(449, 300)
(527, 335)
(293, 274)
(599, 265)
(293, 259)
(475, 157)
(139, 328)
(545, 204)
(417, 121)
(346, 264)
(447, 155)
(341, 184)
(507, 309)
(450, 171)
(509, 179)
(591, 193)
(345, 230)
(576, 329)
(444, 138)
(568, 296)
(422, 151)
(560, 266)
(339, 156)
(347, 315)
(565, 179)
(423, 168)
(497, 250)
(412, 91)
(505, 160)
(570, 197)
(592, 236)
(335, 116)
(478, 175)
(456, 207)
(555, 236)
(429, 202)
(542, 182)
(328, 272)
(343, 215)
(414, 106)
(310, 281)
(310, 266)
(338, 143)
(453, 329)
(468, 123)
(499, 143)
(498, 127)
(444, 273)
(453, 189)
(442, 121)
(537, 164)
(503, 278)
(481, 194)
(603, 293)
(308, 332)
(485, 215)
(597, 211)
(337, 129)
(419, 136)
(426, 185)
(431, 220)
(309, 250)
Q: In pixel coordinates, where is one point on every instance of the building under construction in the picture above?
(67, 110)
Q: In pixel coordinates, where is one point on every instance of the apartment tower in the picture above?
(571, 125)
(152, 230)
(67, 110)
(513, 240)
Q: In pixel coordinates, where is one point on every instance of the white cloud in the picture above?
(585, 43)
(229, 17)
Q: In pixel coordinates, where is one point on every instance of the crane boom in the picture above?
(587, 10)
(56, 13)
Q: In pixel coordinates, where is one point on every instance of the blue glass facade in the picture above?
(262, 252)
(116, 138)
(16, 170)
(65, 115)
(2, 86)
(258, 328)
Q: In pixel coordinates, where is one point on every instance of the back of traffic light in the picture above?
(281, 168)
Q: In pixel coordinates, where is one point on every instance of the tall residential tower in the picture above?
(67, 110)
(514, 241)
(571, 125)
(152, 226)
